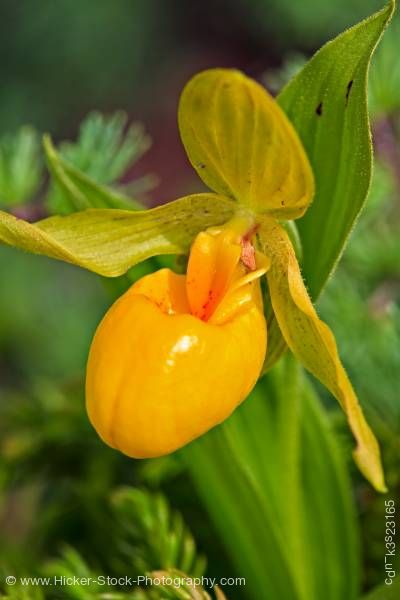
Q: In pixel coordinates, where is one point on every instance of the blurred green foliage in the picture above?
(69, 504)
(104, 150)
(20, 167)
(58, 61)
(307, 22)
(365, 292)
(384, 88)
(275, 466)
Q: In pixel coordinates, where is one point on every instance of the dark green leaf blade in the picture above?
(327, 104)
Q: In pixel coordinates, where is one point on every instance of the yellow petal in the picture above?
(211, 267)
(312, 342)
(111, 241)
(218, 264)
(242, 144)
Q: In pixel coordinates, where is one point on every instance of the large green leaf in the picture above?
(327, 103)
(110, 241)
(274, 482)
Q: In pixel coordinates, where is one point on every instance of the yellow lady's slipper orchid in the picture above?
(172, 357)
(176, 354)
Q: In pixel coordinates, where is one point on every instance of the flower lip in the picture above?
(174, 377)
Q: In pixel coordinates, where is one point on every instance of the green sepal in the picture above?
(111, 241)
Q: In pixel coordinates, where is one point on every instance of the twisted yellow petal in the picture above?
(111, 241)
(313, 343)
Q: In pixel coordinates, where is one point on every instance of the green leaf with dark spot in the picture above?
(327, 103)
